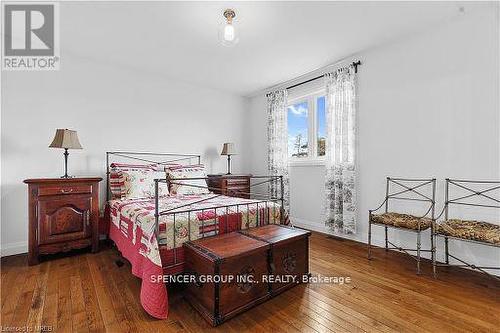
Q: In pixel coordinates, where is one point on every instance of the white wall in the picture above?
(112, 108)
(428, 107)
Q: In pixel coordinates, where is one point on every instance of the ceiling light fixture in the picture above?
(227, 33)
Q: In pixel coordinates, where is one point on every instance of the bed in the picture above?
(173, 206)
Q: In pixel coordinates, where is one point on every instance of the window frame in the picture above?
(312, 129)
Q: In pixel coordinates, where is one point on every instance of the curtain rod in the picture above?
(355, 64)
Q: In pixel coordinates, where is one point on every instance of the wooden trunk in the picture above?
(289, 254)
(275, 256)
(224, 256)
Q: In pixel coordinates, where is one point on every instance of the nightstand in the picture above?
(63, 215)
(230, 185)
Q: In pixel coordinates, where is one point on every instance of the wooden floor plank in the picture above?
(21, 312)
(50, 308)
(104, 301)
(64, 316)
(9, 277)
(11, 288)
(124, 319)
(78, 313)
(38, 301)
(92, 310)
(86, 292)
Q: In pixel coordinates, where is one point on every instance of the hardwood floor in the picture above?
(89, 292)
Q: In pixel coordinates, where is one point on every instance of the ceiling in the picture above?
(278, 40)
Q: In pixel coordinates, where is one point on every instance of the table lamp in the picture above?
(228, 150)
(66, 139)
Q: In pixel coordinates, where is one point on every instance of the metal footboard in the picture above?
(262, 203)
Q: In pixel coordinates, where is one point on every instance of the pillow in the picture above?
(115, 184)
(115, 177)
(188, 171)
(135, 181)
(162, 166)
(139, 183)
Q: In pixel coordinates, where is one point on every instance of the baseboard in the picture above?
(320, 227)
(309, 225)
(13, 248)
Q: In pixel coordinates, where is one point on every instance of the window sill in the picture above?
(306, 162)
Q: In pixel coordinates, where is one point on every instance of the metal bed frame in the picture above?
(464, 185)
(413, 189)
(167, 158)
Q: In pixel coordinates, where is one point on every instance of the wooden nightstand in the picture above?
(231, 185)
(63, 215)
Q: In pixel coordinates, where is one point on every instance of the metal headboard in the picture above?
(147, 158)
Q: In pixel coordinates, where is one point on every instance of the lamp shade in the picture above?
(65, 138)
(228, 149)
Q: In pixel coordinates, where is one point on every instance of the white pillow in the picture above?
(181, 187)
(139, 183)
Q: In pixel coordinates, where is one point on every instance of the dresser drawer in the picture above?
(236, 188)
(62, 190)
(234, 182)
(242, 191)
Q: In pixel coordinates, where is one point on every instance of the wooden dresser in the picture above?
(63, 215)
(231, 185)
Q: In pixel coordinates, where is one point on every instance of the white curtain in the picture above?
(340, 150)
(278, 142)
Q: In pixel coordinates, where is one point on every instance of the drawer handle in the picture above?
(64, 191)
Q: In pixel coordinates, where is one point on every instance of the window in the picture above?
(321, 125)
(298, 125)
(307, 127)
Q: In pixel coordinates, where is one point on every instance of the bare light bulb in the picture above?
(229, 33)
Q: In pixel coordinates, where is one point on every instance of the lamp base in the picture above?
(66, 154)
(67, 177)
(228, 164)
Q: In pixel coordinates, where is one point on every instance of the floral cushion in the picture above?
(136, 181)
(140, 183)
(116, 177)
(187, 187)
(402, 220)
(473, 230)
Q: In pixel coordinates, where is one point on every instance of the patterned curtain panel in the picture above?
(278, 145)
(340, 150)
